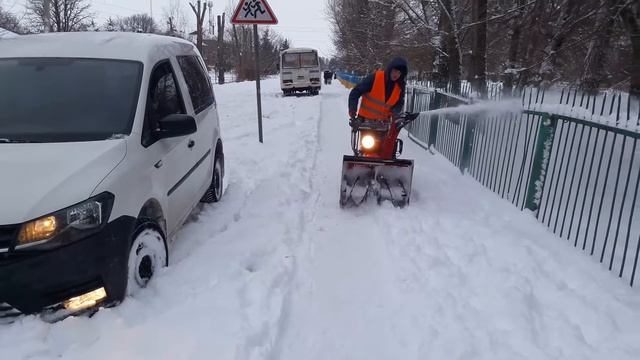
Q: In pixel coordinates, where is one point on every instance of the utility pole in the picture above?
(172, 30)
(211, 21)
(256, 43)
(220, 49)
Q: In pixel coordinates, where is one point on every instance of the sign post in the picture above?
(254, 12)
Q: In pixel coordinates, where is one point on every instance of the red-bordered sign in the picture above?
(253, 12)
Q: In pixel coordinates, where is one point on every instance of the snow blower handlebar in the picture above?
(404, 119)
(401, 120)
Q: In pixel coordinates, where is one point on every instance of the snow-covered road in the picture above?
(278, 271)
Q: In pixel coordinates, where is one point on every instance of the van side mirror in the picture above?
(175, 125)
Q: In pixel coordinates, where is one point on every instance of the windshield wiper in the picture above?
(17, 141)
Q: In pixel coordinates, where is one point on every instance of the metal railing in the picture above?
(580, 177)
(349, 80)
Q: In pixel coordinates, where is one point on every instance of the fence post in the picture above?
(412, 108)
(541, 159)
(467, 143)
(435, 103)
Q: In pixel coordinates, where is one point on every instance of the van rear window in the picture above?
(290, 61)
(308, 59)
(299, 60)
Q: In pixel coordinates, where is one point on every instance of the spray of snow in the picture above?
(485, 109)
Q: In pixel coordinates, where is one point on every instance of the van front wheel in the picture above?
(147, 255)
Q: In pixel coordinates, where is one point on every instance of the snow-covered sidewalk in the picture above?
(278, 271)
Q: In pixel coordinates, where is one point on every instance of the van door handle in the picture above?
(191, 144)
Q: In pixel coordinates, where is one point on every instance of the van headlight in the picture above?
(67, 225)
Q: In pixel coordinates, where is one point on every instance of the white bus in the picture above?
(299, 71)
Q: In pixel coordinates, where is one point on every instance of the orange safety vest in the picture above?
(373, 105)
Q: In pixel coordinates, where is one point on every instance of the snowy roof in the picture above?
(6, 34)
(102, 45)
(300, 49)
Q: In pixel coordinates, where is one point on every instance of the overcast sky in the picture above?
(302, 21)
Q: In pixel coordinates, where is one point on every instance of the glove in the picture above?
(355, 122)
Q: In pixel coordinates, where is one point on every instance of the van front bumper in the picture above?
(34, 280)
(301, 87)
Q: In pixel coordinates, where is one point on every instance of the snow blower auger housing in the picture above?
(373, 171)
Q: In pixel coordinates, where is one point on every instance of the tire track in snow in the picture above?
(298, 170)
(326, 167)
(306, 218)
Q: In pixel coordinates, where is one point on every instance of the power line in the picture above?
(119, 6)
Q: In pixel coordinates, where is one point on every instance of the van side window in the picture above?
(163, 99)
(198, 82)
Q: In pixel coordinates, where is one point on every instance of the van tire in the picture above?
(214, 192)
(147, 255)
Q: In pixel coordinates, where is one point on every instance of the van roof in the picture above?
(299, 50)
(101, 45)
(5, 34)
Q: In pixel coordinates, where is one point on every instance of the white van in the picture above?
(107, 143)
(299, 71)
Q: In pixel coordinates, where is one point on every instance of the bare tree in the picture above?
(630, 14)
(364, 32)
(142, 23)
(9, 21)
(594, 62)
(243, 48)
(111, 24)
(515, 25)
(449, 60)
(199, 9)
(62, 15)
(175, 19)
(560, 29)
(521, 42)
(479, 52)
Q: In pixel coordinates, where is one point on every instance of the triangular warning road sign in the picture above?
(253, 12)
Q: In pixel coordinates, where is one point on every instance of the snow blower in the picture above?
(374, 172)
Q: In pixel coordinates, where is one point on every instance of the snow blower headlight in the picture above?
(368, 142)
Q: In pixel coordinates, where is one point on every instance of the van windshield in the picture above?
(299, 60)
(67, 99)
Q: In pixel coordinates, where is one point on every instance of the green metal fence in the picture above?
(579, 176)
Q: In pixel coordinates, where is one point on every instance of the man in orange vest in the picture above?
(382, 96)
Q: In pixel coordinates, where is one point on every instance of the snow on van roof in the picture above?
(300, 49)
(6, 34)
(101, 45)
